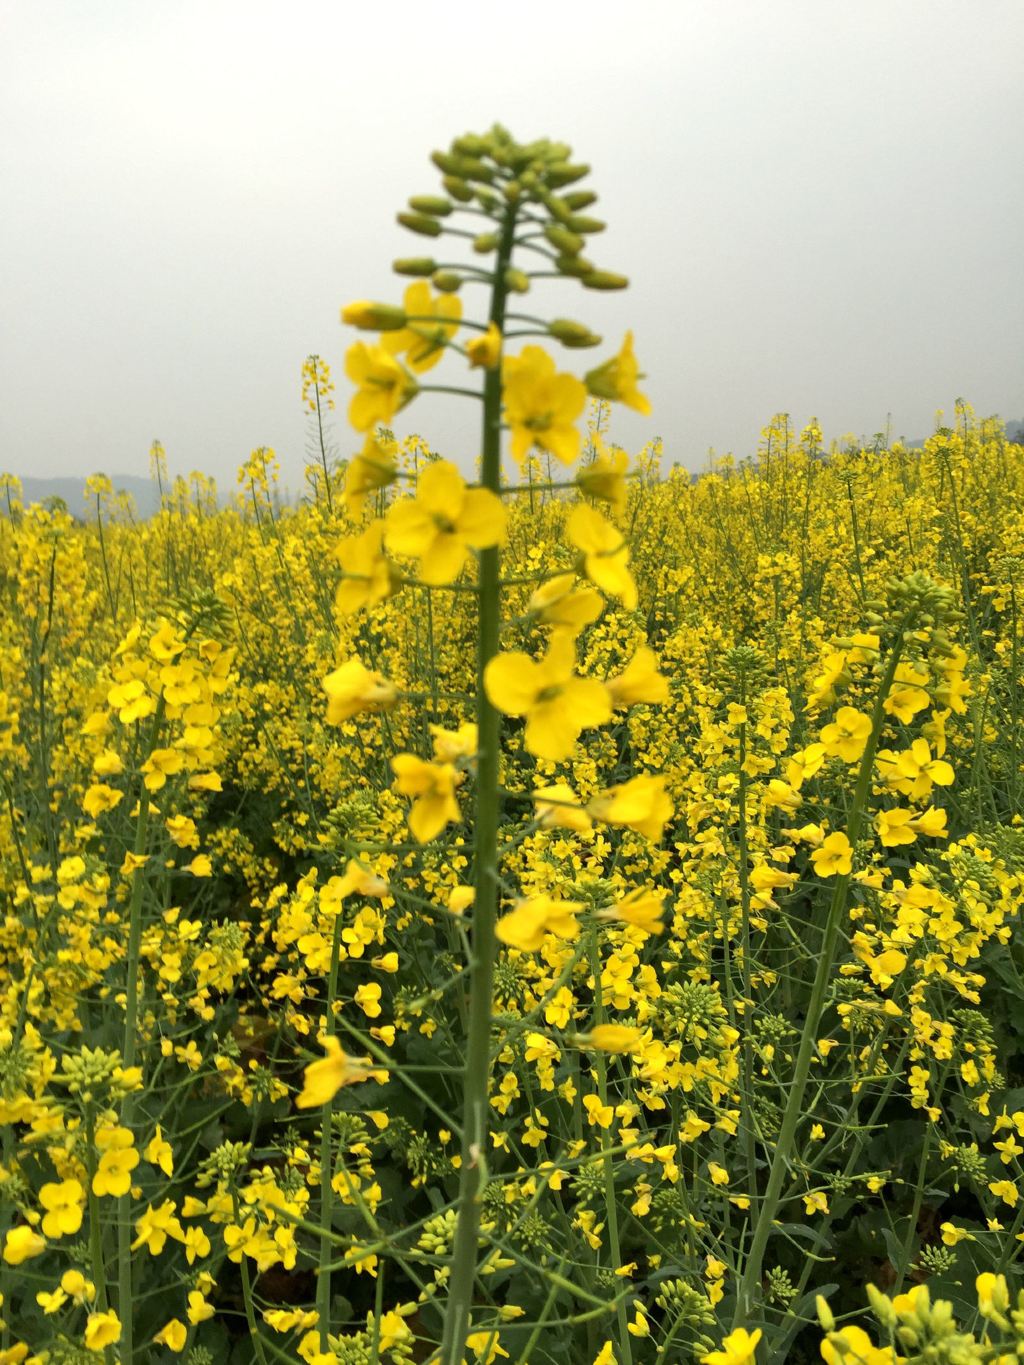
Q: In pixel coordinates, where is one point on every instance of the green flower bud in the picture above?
(421, 223)
(487, 199)
(604, 279)
(447, 281)
(574, 334)
(517, 280)
(444, 161)
(373, 317)
(579, 199)
(577, 266)
(562, 173)
(578, 222)
(485, 242)
(566, 242)
(458, 189)
(414, 265)
(431, 204)
(471, 144)
(825, 1316)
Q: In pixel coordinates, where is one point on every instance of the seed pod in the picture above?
(577, 266)
(414, 265)
(431, 204)
(573, 334)
(458, 189)
(562, 173)
(578, 222)
(566, 242)
(421, 223)
(604, 279)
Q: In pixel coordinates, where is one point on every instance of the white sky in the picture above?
(820, 206)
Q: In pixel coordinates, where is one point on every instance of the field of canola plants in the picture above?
(567, 919)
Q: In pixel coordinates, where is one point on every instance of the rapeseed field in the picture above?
(541, 908)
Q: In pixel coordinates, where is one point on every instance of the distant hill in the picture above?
(71, 491)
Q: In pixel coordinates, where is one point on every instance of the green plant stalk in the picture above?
(748, 1004)
(611, 1207)
(747, 1294)
(323, 1283)
(131, 1012)
(475, 1119)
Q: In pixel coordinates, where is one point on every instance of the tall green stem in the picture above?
(475, 1113)
(747, 1295)
(323, 1284)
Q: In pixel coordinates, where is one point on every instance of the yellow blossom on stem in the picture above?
(617, 379)
(430, 323)
(432, 788)
(557, 704)
(323, 1079)
(532, 920)
(558, 807)
(384, 386)
(640, 681)
(375, 467)
(604, 477)
(847, 736)
(541, 405)
(834, 856)
(354, 688)
(22, 1244)
(642, 804)
(557, 603)
(63, 1204)
(614, 1038)
(484, 351)
(605, 553)
(102, 1330)
(443, 523)
(369, 577)
(738, 1348)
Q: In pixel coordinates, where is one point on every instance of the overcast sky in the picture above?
(820, 206)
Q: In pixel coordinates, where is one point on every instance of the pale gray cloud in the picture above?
(820, 206)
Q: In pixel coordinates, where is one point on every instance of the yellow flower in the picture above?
(847, 736)
(484, 351)
(173, 1335)
(908, 693)
(719, 1175)
(485, 1346)
(528, 924)
(816, 1202)
(22, 1244)
(373, 317)
(894, 827)
(102, 1330)
(100, 798)
(432, 788)
(606, 1355)
(63, 1204)
(557, 704)
(155, 1226)
(541, 406)
(74, 1284)
(198, 1309)
(617, 378)
(738, 1348)
(368, 576)
(430, 322)
(614, 1038)
(375, 467)
(642, 804)
(641, 908)
(557, 604)
(323, 1079)
(857, 1349)
(118, 1158)
(558, 807)
(834, 855)
(158, 1152)
(443, 522)
(384, 386)
(639, 682)
(993, 1295)
(605, 553)
(51, 1302)
(353, 688)
(605, 476)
